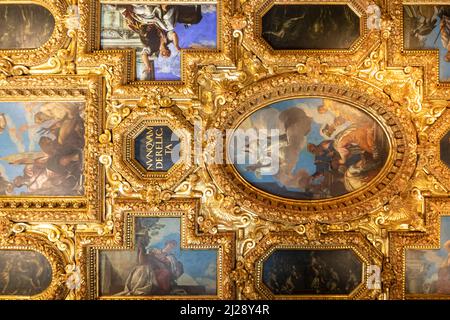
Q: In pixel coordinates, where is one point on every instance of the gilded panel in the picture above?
(118, 177)
(163, 251)
(312, 259)
(401, 159)
(50, 167)
(35, 53)
(32, 267)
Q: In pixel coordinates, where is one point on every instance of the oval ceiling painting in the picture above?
(309, 149)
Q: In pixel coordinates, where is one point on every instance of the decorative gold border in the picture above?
(186, 210)
(123, 60)
(356, 8)
(62, 209)
(399, 243)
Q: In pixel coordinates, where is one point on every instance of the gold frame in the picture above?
(62, 208)
(123, 135)
(399, 88)
(356, 293)
(122, 61)
(437, 208)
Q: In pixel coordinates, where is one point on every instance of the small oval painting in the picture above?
(24, 26)
(309, 149)
(310, 27)
(23, 273)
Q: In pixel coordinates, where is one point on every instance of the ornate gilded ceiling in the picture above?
(224, 149)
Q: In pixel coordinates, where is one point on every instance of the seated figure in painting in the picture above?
(348, 162)
(327, 159)
(326, 179)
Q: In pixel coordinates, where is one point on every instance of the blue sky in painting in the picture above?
(203, 35)
(305, 159)
(434, 258)
(15, 116)
(445, 230)
(430, 43)
(196, 263)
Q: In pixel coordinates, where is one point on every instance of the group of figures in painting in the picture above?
(312, 272)
(428, 27)
(159, 31)
(325, 149)
(23, 273)
(42, 148)
(157, 265)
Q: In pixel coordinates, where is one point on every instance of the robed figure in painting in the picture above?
(156, 270)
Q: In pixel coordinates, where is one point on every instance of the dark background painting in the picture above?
(427, 27)
(23, 273)
(310, 27)
(445, 149)
(127, 272)
(312, 272)
(24, 26)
